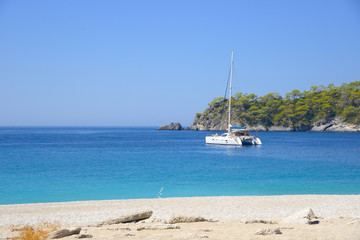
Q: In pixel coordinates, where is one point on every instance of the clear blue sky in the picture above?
(147, 63)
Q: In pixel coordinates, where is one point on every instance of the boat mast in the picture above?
(231, 70)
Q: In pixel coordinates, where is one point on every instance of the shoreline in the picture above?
(226, 217)
(218, 208)
(192, 197)
(343, 129)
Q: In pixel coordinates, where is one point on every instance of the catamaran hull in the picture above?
(218, 140)
(222, 140)
(257, 141)
(251, 141)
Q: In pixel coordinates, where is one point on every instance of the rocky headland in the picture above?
(331, 108)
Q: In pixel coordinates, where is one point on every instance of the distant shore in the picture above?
(343, 209)
(335, 125)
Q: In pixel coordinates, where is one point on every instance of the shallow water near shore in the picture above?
(88, 163)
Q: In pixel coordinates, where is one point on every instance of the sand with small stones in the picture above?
(338, 215)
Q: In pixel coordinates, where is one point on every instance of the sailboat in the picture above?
(235, 135)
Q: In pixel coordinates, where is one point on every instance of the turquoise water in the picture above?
(67, 164)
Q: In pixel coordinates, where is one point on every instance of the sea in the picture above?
(59, 164)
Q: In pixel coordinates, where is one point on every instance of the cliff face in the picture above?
(213, 120)
(335, 125)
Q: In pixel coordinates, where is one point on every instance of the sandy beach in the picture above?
(337, 217)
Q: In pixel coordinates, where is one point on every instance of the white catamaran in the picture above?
(235, 135)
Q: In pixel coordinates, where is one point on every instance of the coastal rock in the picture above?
(158, 227)
(185, 219)
(280, 129)
(303, 128)
(171, 126)
(321, 125)
(335, 125)
(268, 231)
(128, 218)
(304, 216)
(256, 128)
(203, 123)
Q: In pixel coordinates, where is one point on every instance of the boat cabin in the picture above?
(240, 131)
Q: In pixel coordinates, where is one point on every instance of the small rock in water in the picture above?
(171, 126)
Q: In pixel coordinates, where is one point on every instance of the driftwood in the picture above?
(128, 218)
(63, 233)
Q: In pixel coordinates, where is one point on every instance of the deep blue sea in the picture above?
(79, 163)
